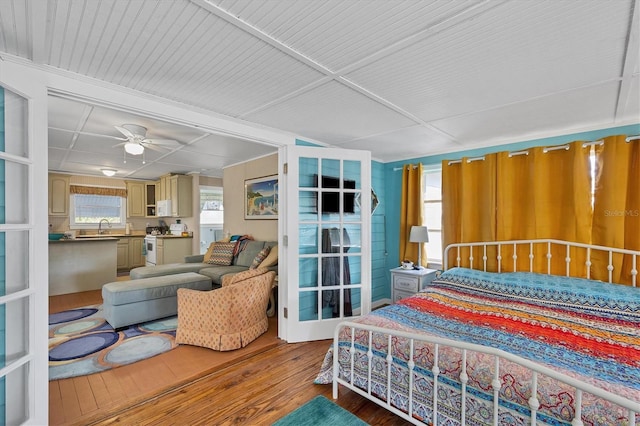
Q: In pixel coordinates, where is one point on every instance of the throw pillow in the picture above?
(207, 255)
(222, 254)
(271, 259)
(260, 257)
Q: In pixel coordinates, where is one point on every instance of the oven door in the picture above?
(150, 243)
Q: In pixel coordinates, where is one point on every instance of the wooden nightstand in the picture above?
(407, 282)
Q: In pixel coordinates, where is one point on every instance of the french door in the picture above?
(325, 226)
(23, 218)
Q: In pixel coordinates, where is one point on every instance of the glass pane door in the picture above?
(328, 239)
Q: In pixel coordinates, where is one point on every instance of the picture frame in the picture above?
(261, 198)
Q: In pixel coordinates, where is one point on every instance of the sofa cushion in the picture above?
(217, 272)
(260, 257)
(125, 292)
(222, 254)
(248, 252)
(271, 259)
(168, 269)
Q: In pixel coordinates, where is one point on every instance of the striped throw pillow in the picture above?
(260, 257)
(222, 254)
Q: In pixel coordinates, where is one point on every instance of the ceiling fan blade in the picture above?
(88, 133)
(163, 142)
(125, 132)
(119, 144)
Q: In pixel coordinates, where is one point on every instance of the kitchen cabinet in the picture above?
(58, 195)
(172, 249)
(129, 253)
(122, 262)
(136, 258)
(151, 190)
(407, 282)
(181, 195)
(136, 198)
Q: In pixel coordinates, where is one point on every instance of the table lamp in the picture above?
(420, 235)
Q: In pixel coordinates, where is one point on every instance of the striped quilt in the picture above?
(585, 329)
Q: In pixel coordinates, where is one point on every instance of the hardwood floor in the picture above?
(191, 385)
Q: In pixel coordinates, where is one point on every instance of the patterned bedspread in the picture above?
(585, 329)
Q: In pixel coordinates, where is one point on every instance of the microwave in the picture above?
(164, 208)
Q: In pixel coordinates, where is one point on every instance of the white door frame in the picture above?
(35, 386)
(289, 326)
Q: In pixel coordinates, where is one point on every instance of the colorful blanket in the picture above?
(585, 329)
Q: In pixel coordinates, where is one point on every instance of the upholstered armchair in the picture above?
(227, 318)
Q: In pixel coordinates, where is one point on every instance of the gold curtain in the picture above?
(545, 194)
(469, 207)
(616, 219)
(96, 190)
(411, 209)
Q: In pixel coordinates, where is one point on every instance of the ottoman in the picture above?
(147, 299)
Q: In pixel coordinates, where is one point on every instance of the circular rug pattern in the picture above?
(82, 342)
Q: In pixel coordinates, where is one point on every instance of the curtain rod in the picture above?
(469, 160)
(633, 138)
(395, 169)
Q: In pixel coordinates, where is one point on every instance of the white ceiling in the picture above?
(402, 79)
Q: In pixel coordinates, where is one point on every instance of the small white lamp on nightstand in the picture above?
(420, 235)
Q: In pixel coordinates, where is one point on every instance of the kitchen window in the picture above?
(88, 206)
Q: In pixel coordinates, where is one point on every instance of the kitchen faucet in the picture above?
(100, 231)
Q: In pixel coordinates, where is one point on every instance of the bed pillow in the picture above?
(260, 257)
(222, 254)
(271, 259)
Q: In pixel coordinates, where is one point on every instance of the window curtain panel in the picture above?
(97, 190)
(469, 207)
(411, 211)
(545, 193)
(616, 218)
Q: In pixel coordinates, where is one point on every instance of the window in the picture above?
(88, 209)
(432, 212)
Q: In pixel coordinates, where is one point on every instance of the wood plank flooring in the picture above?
(181, 387)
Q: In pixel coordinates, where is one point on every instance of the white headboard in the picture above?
(478, 253)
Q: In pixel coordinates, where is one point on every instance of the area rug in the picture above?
(319, 412)
(82, 342)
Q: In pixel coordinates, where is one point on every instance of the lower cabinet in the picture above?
(172, 249)
(123, 254)
(136, 258)
(130, 253)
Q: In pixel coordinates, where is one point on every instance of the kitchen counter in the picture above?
(82, 264)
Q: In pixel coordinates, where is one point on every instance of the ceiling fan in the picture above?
(135, 139)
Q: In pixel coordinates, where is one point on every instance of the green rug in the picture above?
(318, 412)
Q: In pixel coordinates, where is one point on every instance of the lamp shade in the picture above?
(133, 148)
(419, 234)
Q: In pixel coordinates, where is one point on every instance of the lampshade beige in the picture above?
(420, 235)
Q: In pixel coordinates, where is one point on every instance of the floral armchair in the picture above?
(227, 318)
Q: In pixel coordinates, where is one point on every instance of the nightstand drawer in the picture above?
(405, 283)
(397, 295)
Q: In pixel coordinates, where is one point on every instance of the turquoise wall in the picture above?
(393, 179)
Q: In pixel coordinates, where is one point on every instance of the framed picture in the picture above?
(261, 198)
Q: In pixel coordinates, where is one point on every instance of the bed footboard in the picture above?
(390, 368)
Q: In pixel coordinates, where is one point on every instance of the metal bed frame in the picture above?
(537, 370)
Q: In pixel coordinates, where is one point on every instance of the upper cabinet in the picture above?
(151, 189)
(177, 189)
(180, 195)
(58, 195)
(136, 199)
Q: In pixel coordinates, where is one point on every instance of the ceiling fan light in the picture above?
(108, 172)
(133, 148)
